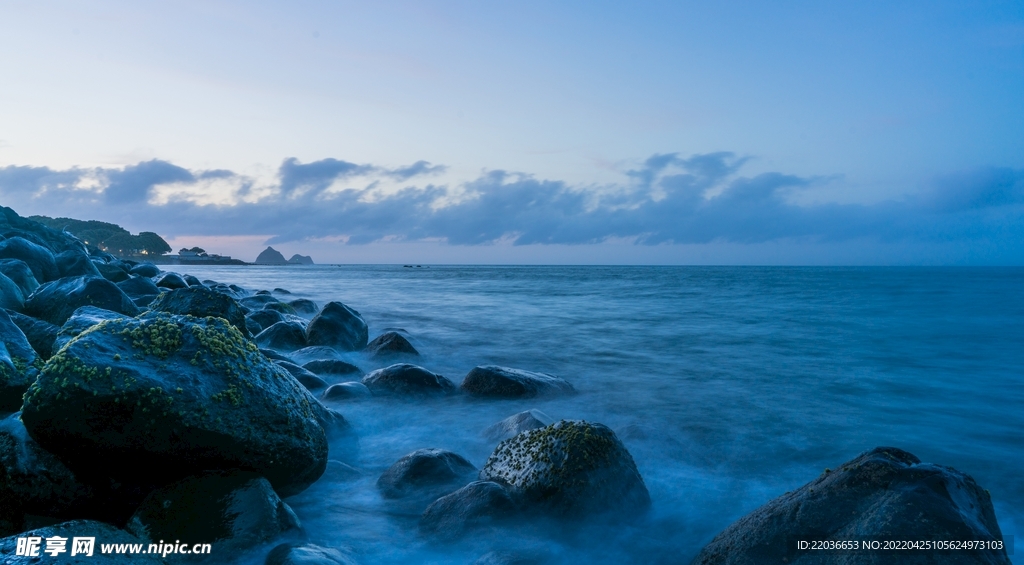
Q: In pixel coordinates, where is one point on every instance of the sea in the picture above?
(728, 385)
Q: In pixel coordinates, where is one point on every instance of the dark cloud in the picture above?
(132, 184)
(416, 169)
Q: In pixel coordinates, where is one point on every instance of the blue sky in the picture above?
(528, 132)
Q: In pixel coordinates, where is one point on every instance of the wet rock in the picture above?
(40, 334)
(307, 378)
(515, 425)
(476, 505)
(139, 286)
(145, 270)
(275, 356)
(19, 273)
(281, 291)
(262, 292)
(257, 301)
(191, 280)
(231, 510)
(304, 306)
(252, 327)
(171, 281)
(571, 468)
(342, 391)
(285, 336)
(390, 343)
(75, 263)
(265, 318)
(11, 296)
(19, 364)
(157, 399)
(306, 554)
(38, 258)
(313, 352)
(333, 423)
(101, 532)
(280, 307)
(493, 381)
(404, 379)
(337, 325)
(111, 272)
(883, 494)
(200, 302)
(425, 472)
(83, 319)
(331, 367)
(513, 558)
(56, 301)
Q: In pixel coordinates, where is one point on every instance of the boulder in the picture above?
(280, 290)
(160, 398)
(426, 473)
(303, 306)
(111, 272)
(171, 281)
(19, 364)
(314, 352)
(38, 258)
(200, 302)
(515, 425)
(342, 391)
(285, 336)
(883, 494)
(339, 326)
(307, 378)
(306, 554)
(139, 286)
(571, 468)
(252, 327)
(145, 270)
(280, 307)
(41, 334)
(407, 380)
(101, 533)
(192, 280)
(476, 505)
(390, 343)
(20, 273)
(331, 367)
(275, 356)
(11, 296)
(83, 319)
(231, 510)
(56, 301)
(265, 318)
(493, 381)
(75, 263)
(257, 301)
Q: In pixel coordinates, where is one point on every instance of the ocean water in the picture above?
(729, 386)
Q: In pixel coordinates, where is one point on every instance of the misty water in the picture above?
(729, 386)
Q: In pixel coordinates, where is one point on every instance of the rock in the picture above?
(478, 504)
(11, 296)
(493, 381)
(257, 302)
(571, 468)
(161, 398)
(331, 367)
(102, 534)
(307, 378)
(191, 280)
(304, 306)
(285, 336)
(171, 281)
(111, 272)
(343, 391)
(262, 292)
(425, 472)
(19, 364)
(270, 256)
(200, 302)
(19, 273)
(232, 510)
(515, 425)
(144, 301)
(280, 307)
(145, 270)
(265, 318)
(139, 286)
(314, 352)
(406, 379)
(341, 472)
(40, 334)
(37, 257)
(252, 327)
(337, 325)
(883, 494)
(56, 301)
(275, 356)
(281, 291)
(83, 319)
(513, 558)
(75, 263)
(332, 421)
(390, 343)
(300, 260)
(306, 554)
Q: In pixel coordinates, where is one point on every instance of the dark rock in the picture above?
(75, 263)
(252, 327)
(307, 378)
(300, 260)
(275, 356)
(304, 306)
(406, 379)
(171, 281)
(337, 325)
(20, 273)
(503, 382)
(40, 334)
(425, 472)
(139, 286)
(342, 391)
(144, 301)
(145, 270)
(478, 504)
(270, 256)
(314, 352)
(285, 336)
(331, 367)
(332, 421)
(200, 302)
(515, 425)
(99, 531)
(11, 296)
(19, 364)
(306, 554)
(257, 302)
(280, 307)
(883, 494)
(571, 468)
(111, 272)
(191, 280)
(83, 319)
(232, 510)
(265, 318)
(281, 291)
(37, 257)
(262, 292)
(390, 343)
(158, 399)
(56, 301)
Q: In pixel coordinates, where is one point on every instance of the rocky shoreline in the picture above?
(139, 405)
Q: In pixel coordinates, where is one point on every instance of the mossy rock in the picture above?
(201, 302)
(83, 319)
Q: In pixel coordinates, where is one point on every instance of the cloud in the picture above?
(669, 199)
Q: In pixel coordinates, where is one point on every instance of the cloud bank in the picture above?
(669, 199)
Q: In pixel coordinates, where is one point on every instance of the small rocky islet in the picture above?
(139, 405)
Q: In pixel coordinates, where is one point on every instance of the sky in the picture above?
(868, 133)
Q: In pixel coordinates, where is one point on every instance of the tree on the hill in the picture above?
(152, 243)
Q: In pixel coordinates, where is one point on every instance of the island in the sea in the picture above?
(271, 256)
